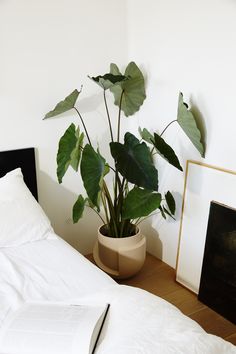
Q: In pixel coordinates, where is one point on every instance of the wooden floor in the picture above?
(159, 279)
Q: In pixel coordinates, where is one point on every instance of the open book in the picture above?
(48, 328)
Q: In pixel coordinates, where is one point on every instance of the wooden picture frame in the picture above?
(203, 183)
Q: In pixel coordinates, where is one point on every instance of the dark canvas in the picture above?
(218, 277)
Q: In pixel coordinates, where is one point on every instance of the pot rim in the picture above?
(102, 234)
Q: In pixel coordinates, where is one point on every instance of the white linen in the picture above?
(21, 217)
(138, 322)
(142, 323)
(49, 269)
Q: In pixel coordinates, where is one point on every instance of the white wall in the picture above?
(187, 46)
(48, 48)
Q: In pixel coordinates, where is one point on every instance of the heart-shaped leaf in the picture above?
(168, 212)
(69, 151)
(65, 105)
(78, 208)
(166, 151)
(76, 153)
(146, 135)
(140, 202)
(170, 202)
(93, 168)
(131, 90)
(162, 212)
(187, 122)
(108, 80)
(134, 162)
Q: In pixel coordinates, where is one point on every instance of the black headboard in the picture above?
(25, 159)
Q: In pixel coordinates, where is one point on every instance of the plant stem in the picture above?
(138, 221)
(173, 121)
(108, 115)
(119, 203)
(111, 208)
(105, 208)
(81, 118)
(103, 221)
(122, 228)
(119, 116)
(141, 219)
(125, 225)
(117, 179)
(111, 168)
(118, 185)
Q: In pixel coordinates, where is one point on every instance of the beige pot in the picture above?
(120, 257)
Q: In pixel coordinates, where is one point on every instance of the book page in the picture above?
(50, 328)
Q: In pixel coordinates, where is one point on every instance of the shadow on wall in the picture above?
(154, 244)
(187, 150)
(200, 122)
(178, 201)
(57, 202)
(152, 228)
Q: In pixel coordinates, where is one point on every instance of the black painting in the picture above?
(218, 277)
(25, 159)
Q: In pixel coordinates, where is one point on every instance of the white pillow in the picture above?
(21, 217)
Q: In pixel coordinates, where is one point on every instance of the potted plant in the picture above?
(134, 193)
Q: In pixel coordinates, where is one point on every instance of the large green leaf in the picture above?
(166, 211)
(170, 202)
(132, 90)
(146, 135)
(108, 80)
(187, 122)
(166, 151)
(93, 168)
(134, 162)
(162, 212)
(114, 69)
(76, 153)
(69, 151)
(140, 202)
(78, 208)
(65, 105)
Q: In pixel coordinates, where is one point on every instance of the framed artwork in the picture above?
(203, 184)
(218, 277)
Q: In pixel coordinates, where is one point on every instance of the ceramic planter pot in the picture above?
(120, 257)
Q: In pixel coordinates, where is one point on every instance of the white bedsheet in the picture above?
(49, 269)
(138, 322)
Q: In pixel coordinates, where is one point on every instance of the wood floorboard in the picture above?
(231, 338)
(159, 279)
(185, 301)
(160, 284)
(214, 323)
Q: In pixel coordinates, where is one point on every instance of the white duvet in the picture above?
(138, 322)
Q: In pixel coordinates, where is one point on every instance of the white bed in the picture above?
(36, 264)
